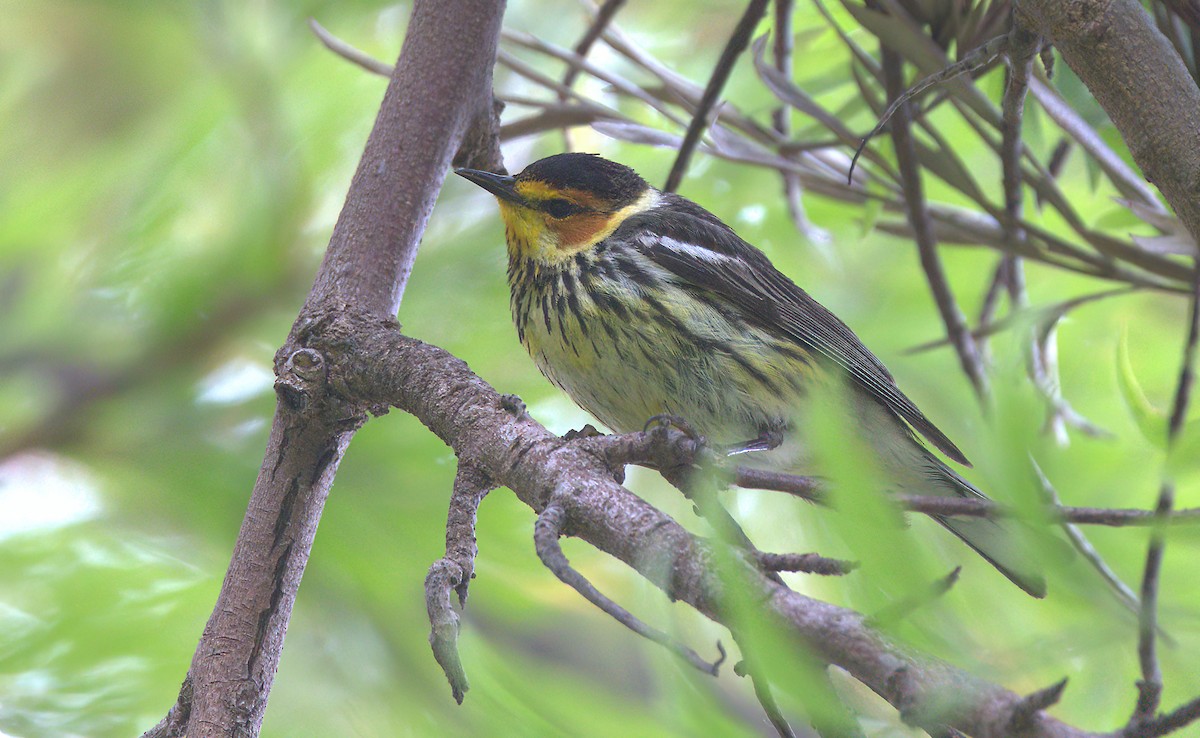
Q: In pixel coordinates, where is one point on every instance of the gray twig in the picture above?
(546, 531)
(348, 52)
(604, 16)
(1024, 713)
(453, 572)
(1153, 727)
(980, 57)
(918, 214)
(762, 692)
(1150, 686)
(738, 42)
(807, 563)
(782, 48)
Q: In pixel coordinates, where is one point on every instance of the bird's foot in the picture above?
(767, 440)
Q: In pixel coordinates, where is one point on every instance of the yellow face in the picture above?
(551, 224)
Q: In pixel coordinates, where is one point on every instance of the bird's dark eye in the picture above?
(560, 208)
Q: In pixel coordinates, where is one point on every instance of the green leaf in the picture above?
(1151, 421)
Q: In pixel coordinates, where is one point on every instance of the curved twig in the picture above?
(546, 531)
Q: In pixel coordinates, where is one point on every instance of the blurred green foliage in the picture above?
(171, 174)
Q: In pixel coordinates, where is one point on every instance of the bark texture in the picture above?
(441, 88)
(1139, 80)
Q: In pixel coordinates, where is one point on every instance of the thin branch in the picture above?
(807, 488)
(826, 710)
(576, 62)
(1085, 548)
(1026, 712)
(1044, 316)
(1023, 47)
(977, 59)
(453, 573)
(987, 310)
(807, 563)
(782, 48)
(1111, 517)
(547, 529)
(348, 52)
(918, 215)
(738, 42)
(812, 489)
(1150, 687)
(555, 116)
(699, 483)
(1128, 182)
(762, 692)
(1165, 724)
(600, 21)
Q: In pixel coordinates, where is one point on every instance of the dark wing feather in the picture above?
(766, 297)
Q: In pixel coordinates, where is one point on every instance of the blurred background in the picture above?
(169, 176)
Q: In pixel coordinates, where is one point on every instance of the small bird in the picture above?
(640, 303)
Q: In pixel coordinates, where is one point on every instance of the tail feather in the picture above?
(913, 468)
(990, 539)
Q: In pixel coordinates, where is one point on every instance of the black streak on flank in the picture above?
(611, 304)
(546, 310)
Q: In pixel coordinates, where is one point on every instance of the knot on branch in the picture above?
(301, 379)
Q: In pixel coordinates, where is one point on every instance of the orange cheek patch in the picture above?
(578, 230)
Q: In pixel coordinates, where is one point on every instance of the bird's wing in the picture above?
(700, 250)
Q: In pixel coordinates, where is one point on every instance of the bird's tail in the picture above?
(990, 539)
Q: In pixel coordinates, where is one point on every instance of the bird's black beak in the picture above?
(500, 185)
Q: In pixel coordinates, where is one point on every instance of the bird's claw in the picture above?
(666, 420)
(768, 440)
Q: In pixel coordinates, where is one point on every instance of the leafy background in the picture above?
(171, 172)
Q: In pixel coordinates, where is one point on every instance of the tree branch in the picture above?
(918, 216)
(537, 465)
(1139, 80)
(453, 573)
(738, 42)
(440, 88)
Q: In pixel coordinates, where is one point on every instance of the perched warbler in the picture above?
(640, 303)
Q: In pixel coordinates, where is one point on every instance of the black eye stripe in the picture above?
(560, 208)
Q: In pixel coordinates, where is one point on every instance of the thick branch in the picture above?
(1139, 80)
(440, 88)
(518, 453)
